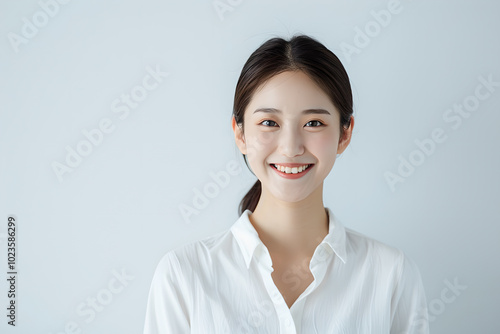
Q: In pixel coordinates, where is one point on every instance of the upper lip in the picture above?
(291, 165)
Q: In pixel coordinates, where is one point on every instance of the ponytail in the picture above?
(251, 198)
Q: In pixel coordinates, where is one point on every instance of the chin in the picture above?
(289, 196)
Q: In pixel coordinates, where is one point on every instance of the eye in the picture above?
(318, 122)
(268, 120)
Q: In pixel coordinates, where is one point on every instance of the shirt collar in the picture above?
(248, 238)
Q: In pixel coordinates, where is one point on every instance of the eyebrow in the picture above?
(304, 112)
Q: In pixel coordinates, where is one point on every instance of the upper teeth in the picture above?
(291, 170)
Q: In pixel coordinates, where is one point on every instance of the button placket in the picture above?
(287, 325)
(276, 297)
(286, 322)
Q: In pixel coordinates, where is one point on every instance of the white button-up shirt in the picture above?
(223, 284)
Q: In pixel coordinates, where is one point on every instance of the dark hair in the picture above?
(300, 53)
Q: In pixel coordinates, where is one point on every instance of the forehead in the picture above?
(290, 92)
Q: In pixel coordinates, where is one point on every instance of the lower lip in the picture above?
(292, 176)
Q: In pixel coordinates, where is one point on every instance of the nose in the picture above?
(291, 142)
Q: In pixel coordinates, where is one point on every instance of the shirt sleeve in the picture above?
(167, 308)
(409, 305)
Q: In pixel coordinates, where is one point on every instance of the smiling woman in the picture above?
(288, 264)
(304, 129)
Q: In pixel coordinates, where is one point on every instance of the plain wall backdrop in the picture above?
(115, 119)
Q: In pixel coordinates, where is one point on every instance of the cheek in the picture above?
(258, 143)
(325, 146)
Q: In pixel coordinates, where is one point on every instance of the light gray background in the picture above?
(119, 209)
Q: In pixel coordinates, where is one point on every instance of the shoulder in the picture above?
(367, 250)
(383, 262)
(362, 244)
(195, 255)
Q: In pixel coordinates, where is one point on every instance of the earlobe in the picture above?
(346, 138)
(239, 136)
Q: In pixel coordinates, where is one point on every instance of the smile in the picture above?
(291, 172)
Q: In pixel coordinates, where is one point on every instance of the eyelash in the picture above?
(315, 120)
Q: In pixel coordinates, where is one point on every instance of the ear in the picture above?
(346, 138)
(239, 137)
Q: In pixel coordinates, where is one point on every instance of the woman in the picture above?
(288, 265)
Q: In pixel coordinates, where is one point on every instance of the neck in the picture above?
(291, 229)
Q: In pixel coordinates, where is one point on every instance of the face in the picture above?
(287, 135)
